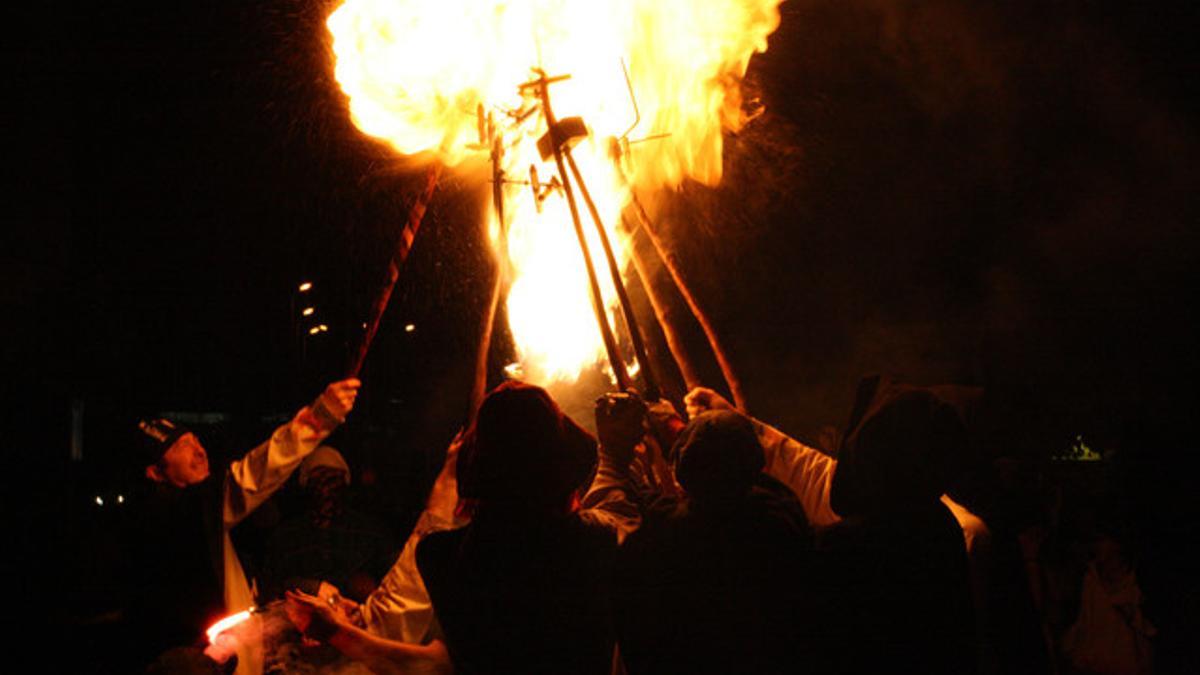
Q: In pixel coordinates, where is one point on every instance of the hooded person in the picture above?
(183, 571)
(524, 586)
(901, 591)
(699, 585)
(329, 541)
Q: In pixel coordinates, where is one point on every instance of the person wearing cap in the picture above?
(184, 571)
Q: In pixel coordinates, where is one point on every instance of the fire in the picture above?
(430, 76)
(225, 624)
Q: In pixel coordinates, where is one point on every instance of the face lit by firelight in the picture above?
(184, 463)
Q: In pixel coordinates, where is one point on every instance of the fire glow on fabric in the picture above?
(655, 81)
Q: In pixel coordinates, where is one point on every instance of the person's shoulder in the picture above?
(437, 547)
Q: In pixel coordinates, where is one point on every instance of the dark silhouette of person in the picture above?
(523, 588)
(715, 580)
(898, 591)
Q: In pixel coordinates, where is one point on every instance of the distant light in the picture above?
(314, 330)
(308, 311)
(323, 328)
(305, 286)
(410, 328)
(120, 499)
(99, 500)
(364, 325)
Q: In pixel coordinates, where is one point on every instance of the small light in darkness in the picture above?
(99, 500)
(314, 330)
(408, 328)
(308, 311)
(305, 286)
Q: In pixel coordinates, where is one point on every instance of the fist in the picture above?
(338, 397)
(620, 423)
(703, 399)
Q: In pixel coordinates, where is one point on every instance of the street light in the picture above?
(308, 311)
(305, 286)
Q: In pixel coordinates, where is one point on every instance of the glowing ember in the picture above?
(418, 73)
(225, 624)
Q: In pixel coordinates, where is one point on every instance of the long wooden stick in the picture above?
(610, 342)
(653, 391)
(691, 377)
(403, 245)
(668, 260)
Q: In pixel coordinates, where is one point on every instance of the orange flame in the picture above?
(417, 71)
(225, 624)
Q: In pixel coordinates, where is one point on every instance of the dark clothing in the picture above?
(353, 544)
(717, 591)
(175, 569)
(898, 595)
(523, 596)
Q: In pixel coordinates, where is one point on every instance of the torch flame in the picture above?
(418, 71)
(225, 624)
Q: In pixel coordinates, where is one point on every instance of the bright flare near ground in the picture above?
(417, 71)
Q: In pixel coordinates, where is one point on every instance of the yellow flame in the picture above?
(417, 71)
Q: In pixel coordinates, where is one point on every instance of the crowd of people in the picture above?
(701, 542)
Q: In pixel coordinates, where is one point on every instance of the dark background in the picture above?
(993, 194)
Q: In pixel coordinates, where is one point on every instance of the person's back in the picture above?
(899, 587)
(523, 598)
(898, 590)
(523, 588)
(716, 590)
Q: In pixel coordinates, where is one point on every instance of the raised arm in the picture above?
(612, 498)
(400, 609)
(252, 479)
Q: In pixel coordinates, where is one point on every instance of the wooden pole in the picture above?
(672, 266)
(653, 390)
(610, 342)
(403, 245)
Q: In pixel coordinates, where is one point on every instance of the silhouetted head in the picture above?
(523, 451)
(902, 448)
(717, 457)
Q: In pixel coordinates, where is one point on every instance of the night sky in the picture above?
(942, 191)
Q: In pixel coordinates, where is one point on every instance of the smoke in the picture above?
(949, 191)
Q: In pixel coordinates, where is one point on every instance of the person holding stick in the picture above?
(185, 571)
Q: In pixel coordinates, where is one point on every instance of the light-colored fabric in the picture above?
(1111, 636)
(399, 608)
(807, 471)
(249, 482)
(325, 456)
(609, 501)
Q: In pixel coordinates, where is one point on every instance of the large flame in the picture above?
(417, 71)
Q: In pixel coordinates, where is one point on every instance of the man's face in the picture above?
(184, 463)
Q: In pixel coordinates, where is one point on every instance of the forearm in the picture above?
(611, 499)
(389, 656)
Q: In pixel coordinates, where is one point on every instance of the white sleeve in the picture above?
(807, 471)
(252, 479)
